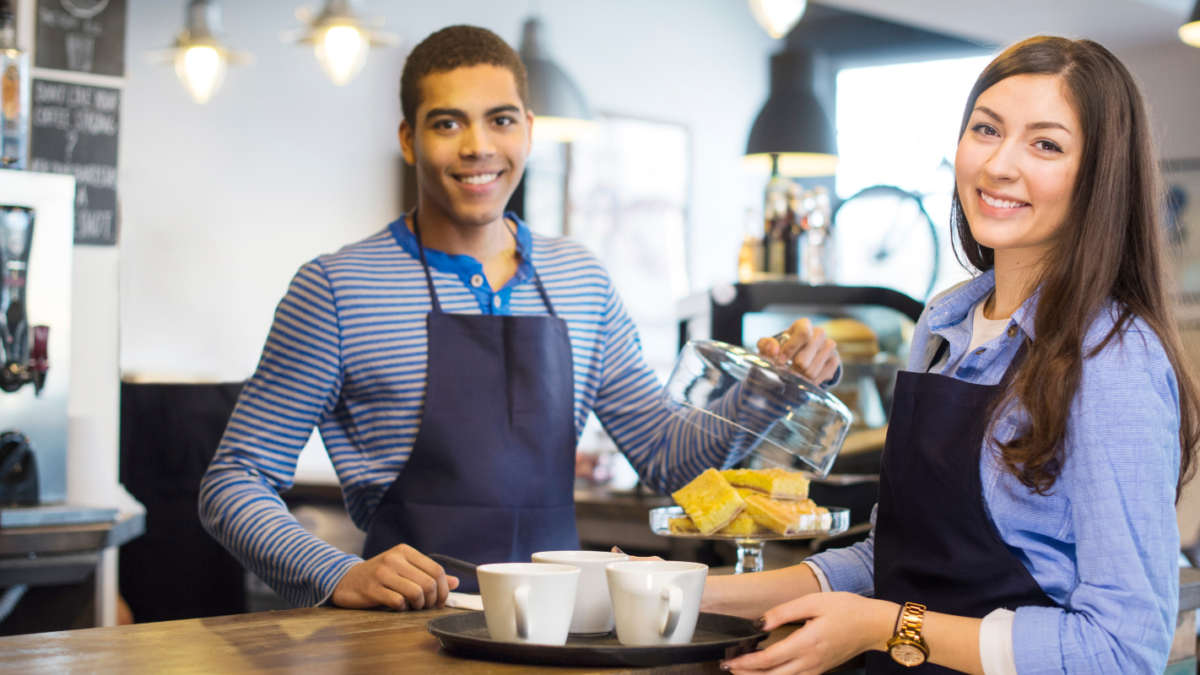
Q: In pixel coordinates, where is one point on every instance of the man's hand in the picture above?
(807, 349)
(401, 578)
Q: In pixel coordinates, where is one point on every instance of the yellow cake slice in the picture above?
(742, 524)
(773, 483)
(710, 501)
(787, 516)
(683, 525)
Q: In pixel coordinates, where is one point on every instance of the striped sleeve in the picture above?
(297, 382)
(666, 450)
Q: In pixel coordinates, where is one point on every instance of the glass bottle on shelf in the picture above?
(750, 255)
(817, 250)
(14, 93)
(777, 223)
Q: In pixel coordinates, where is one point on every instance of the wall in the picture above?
(1169, 73)
(221, 203)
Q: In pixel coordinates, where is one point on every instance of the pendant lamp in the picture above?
(792, 135)
(340, 39)
(778, 17)
(561, 113)
(1190, 31)
(200, 54)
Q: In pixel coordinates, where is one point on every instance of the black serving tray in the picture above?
(717, 637)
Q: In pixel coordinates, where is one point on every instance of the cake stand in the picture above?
(750, 546)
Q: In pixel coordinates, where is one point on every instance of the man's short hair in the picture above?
(457, 47)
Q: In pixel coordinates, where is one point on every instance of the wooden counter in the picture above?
(324, 640)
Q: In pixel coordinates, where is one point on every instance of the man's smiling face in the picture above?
(469, 141)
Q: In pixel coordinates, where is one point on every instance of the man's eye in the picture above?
(443, 125)
(505, 121)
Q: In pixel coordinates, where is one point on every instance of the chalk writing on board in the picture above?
(86, 36)
(75, 132)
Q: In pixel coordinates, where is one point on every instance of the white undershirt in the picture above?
(995, 631)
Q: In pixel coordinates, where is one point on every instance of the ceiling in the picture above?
(1114, 23)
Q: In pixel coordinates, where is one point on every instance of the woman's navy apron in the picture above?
(491, 474)
(934, 542)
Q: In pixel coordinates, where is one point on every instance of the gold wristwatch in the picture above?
(907, 647)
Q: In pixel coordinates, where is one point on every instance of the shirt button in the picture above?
(1012, 330)
(496, 302)
(980, 351)
(477, 280)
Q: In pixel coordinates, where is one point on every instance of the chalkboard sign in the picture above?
(86, 36)
(75, 133)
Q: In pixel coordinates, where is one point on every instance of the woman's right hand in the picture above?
(401, 578)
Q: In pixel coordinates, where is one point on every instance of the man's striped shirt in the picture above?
(347, 353)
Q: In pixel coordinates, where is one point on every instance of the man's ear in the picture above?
(529, 132)
(406, 143)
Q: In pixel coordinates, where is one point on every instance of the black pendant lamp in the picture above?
(792, 135)
(561, 113)
(1190, 31)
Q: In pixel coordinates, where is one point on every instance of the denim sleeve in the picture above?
(851, 569)
(1120, 470)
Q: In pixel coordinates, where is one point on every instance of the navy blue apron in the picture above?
(934, 542)
(491, 474)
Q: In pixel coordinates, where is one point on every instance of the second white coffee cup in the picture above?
(528, 602)
(593, 608)
(656, 602)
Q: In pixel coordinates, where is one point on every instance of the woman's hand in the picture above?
(807, 349)
(839, 626)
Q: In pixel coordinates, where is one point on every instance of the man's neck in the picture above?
(440, 231)
(494, 245)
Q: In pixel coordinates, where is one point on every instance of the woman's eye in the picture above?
(1048, 146)
(985, 129)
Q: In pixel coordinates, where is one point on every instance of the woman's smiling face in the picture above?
(1017, 161)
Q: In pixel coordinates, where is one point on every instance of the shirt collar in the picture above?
(955, 306)
(464, 266)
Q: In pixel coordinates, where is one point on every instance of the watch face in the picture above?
(907, 655)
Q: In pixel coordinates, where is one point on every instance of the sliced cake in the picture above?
(710, 501)
(683, 525)
(787, 516)
(773, 483)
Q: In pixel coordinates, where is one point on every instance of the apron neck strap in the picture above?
(433, 298)
(437, 307)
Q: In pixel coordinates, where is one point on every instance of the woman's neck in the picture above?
(1017, 272)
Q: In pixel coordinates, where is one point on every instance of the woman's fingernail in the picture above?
(760, 622)
(617, 549)
(725, 667)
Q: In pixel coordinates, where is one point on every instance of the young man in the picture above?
(450, 363)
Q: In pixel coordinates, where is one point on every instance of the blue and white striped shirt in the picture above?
(1104, 544)
(347, 353)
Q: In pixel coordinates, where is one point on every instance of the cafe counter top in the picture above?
(324, 640)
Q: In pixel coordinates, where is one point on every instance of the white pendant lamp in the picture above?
(340, 39)
(200, 55)
(778, 17)
(1190, 31)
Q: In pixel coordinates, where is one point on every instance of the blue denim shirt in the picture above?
(1104, 544)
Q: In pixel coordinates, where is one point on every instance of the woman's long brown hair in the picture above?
(1109, 251)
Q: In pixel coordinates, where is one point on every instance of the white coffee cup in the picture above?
(593, 606)
(656, 602)
(528, 602)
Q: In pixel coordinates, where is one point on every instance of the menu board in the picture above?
(85, 36)
(74, 132)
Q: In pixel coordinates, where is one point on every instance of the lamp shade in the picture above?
(558, 105)
(792, 125)
(1190, 31)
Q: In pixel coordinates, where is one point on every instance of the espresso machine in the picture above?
(36, 232)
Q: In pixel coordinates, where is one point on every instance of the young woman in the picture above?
(1047, 420)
